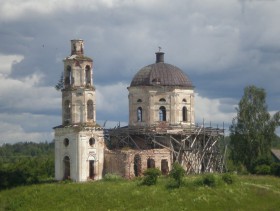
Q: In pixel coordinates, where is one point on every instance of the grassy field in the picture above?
(247, 193)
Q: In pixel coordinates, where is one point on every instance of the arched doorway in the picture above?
(91, 169)
(137, 165)
(66, 163)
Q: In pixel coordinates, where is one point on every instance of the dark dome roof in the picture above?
(162, 74)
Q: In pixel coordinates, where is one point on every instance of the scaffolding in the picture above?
(196, 148)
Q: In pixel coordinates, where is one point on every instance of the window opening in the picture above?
(91, 169)
(162, 100)
(139, 114)
(89, 109)
(91, 141)
(88, 75)
(162, 113)
(67, 111)
(185, 114)
(68, 76)
(139, 101)
(164, 167)
(151, 163)
(66, 142)
(184, 100)
(137, 165)
(66, 162)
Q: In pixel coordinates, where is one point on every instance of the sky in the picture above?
(223, 46)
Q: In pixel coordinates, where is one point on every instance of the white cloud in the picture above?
(112, 98)
(210, 110)
(6, 63)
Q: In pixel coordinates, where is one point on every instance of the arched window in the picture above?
(66, 142)
(88, 75)
(162, 100)
(162, 113)
(184, 100)
(139, 114)
(89, 109)
(66, 163)
(68, 76)
(91, 141)
(139, 101)
(185, 114)
(137, 166)
(67, 111)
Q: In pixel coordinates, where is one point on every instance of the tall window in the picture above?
(139, 114)
(89, 109)
(162, 113)
(88, 75)
(185, 114)
(66, 163)
(67, 110)
(68, 76)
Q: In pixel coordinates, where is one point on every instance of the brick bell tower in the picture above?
(79, 141)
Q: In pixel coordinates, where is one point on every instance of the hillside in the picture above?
(247, 193)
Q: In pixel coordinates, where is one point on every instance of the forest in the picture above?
(26, 163)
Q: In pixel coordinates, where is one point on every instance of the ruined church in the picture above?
(161, 127)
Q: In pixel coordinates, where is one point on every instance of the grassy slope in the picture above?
(248, 193)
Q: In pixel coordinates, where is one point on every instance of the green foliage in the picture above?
(60, 83)
(177, 173)
(210, 180)
(262, 169)
(251, 193)
(112, 177)
(151, 176)
(229, 178)
(275, 169)
(253, 130)
(26, 163)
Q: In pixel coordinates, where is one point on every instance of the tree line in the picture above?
(26, 163)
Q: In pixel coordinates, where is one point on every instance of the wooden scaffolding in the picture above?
(196, 148)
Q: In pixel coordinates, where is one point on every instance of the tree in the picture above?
(177, 173)
(60, 83)
(253, 130)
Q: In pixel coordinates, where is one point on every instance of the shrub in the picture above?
(177, 173)
(262, 169)
(151, 176)
(210, 180)
(275, 169)
(112, 177)
(228, 178)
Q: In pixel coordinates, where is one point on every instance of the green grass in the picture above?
(247, 193)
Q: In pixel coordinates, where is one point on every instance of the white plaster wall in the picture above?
(150, 96)
(79, 152)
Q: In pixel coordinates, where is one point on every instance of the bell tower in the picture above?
(79, 141)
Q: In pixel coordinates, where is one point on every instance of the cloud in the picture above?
(222, 46)
(7, 61)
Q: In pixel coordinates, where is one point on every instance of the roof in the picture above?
(161, 73)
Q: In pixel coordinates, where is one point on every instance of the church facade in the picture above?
(161, 124)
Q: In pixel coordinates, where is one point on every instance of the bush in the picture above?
(112, 177)
(210, 180)
(151, 176)
(177, 173)
(228, 178)
(262, 169)
(275, 169)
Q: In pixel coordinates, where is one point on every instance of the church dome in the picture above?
(162, 74)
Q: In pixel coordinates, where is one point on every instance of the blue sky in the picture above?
(221, 45)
